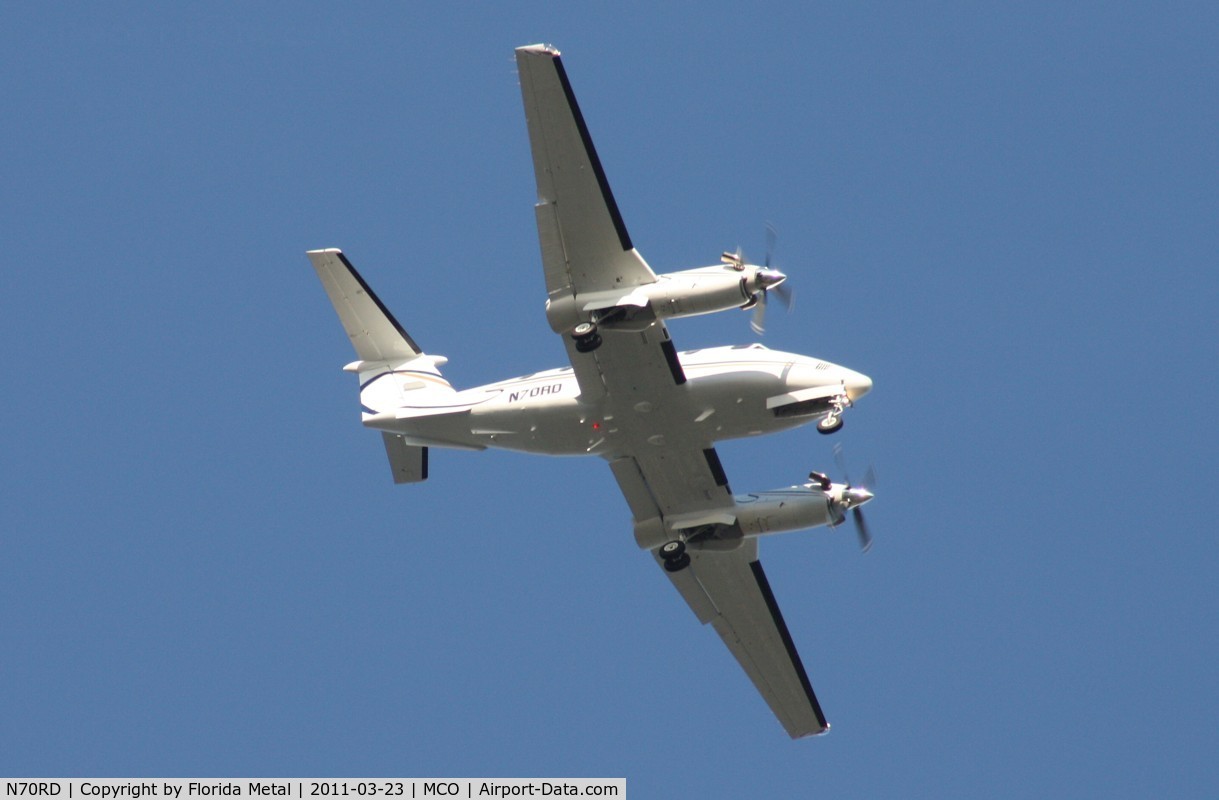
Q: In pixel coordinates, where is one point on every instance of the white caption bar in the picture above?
(315, 788)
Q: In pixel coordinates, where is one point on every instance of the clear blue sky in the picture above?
(1006, 216)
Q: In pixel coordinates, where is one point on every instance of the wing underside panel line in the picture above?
(634, 488)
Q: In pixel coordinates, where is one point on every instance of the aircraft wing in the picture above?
(585, 244)
(667, 468)
(663, 459)
(729, 590)
(668, 465)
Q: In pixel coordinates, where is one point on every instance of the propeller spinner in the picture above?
(853, 497)
(766, 279)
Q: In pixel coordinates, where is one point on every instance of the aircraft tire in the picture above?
(672, 550)
(828, 429)
(677, 564)
(586, 337)
(588, 345)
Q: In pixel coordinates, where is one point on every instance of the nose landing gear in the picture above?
(833, 420)
(831, 423)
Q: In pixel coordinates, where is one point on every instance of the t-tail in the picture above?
(394, 371)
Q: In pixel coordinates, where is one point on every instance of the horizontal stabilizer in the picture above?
(373, 331)
(407, 462)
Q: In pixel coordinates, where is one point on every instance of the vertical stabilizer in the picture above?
(393, 370)
(395, 374)
(373, 331)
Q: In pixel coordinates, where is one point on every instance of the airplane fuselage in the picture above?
(726, 394)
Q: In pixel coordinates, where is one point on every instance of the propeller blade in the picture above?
(786, 296)
(861, 528)
(869, 479)
(841, 462)
(767, 278)
(758, 323)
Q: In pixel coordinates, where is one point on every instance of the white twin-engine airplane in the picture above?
(652, 413)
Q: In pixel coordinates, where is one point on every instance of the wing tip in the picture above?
(808, 734)
(539, 50)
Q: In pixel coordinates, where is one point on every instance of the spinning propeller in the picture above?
(854, 497)
(765, 279)
(765, 276)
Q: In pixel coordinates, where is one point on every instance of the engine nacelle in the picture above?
(700, 291)
(756, 514)
(691, 292)
(780, 510)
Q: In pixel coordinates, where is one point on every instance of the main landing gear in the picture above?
(674, 555)
(586, 337)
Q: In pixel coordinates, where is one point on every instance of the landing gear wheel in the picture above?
(677, 564)
(675, 556)
(829, 424)
(673, 549)
(586, 337)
